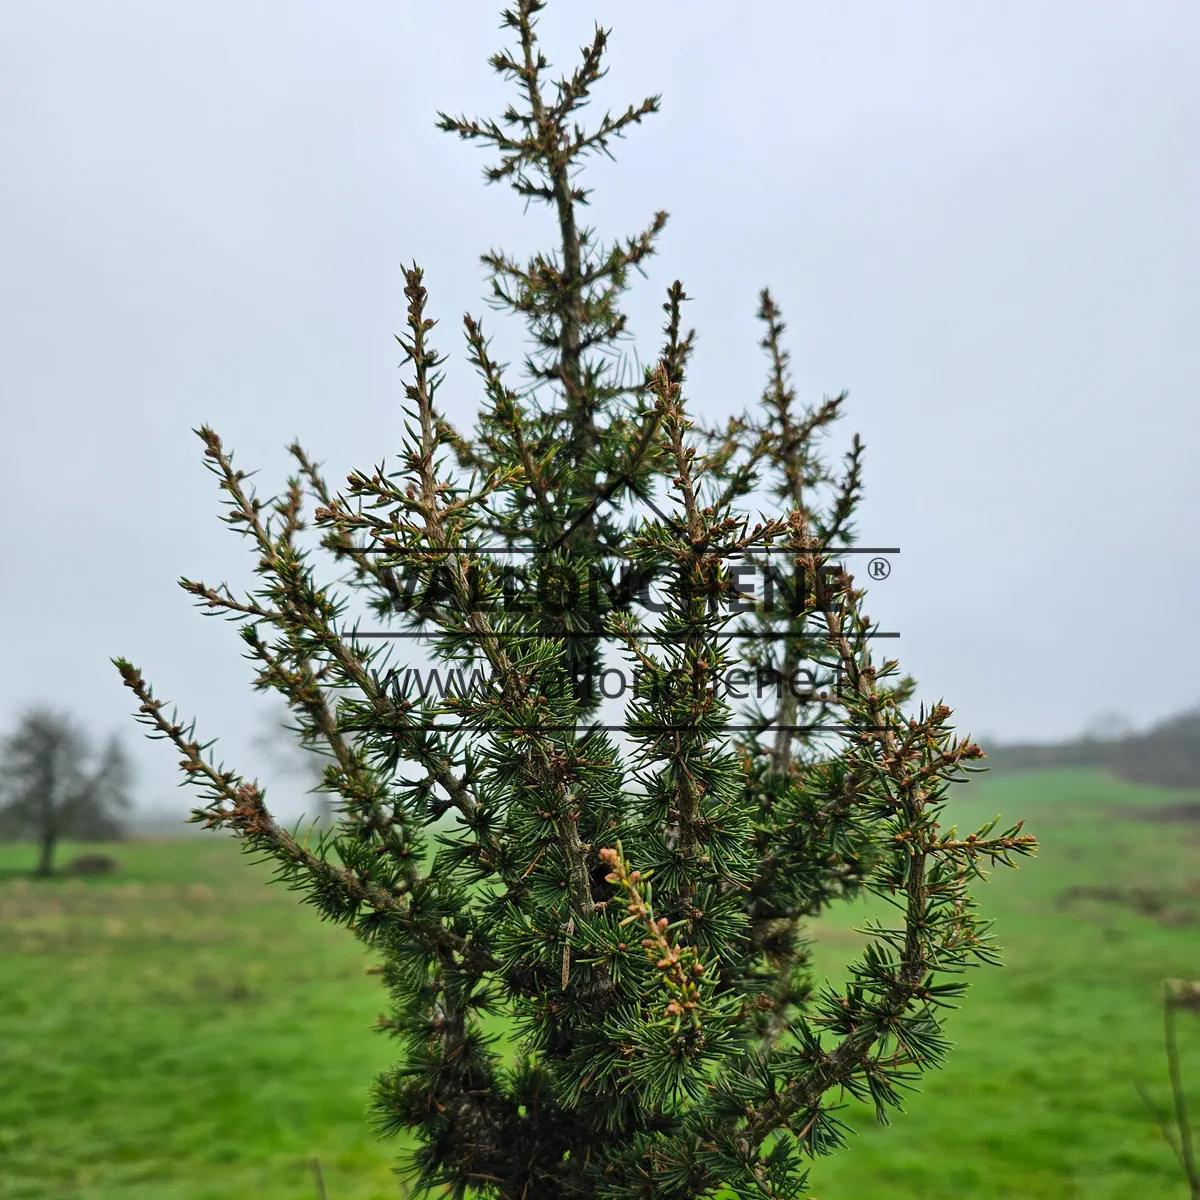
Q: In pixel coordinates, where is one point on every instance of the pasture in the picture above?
(181, 1031)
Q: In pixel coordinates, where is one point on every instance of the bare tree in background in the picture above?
(291, 758)
(54, 785)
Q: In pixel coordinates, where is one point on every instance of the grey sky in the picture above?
(979, 218)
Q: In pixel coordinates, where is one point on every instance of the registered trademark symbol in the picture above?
(879, 568)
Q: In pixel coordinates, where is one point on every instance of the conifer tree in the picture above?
(628, 901)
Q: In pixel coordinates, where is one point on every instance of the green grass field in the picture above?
(180, 1031)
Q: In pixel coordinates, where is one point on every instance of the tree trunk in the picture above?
(45, 866)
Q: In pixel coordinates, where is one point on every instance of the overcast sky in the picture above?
(978, 217)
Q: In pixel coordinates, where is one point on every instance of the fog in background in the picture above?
(979, 218)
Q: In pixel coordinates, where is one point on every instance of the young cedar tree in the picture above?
(589, 912)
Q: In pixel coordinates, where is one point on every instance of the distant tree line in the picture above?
(1166, 755)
